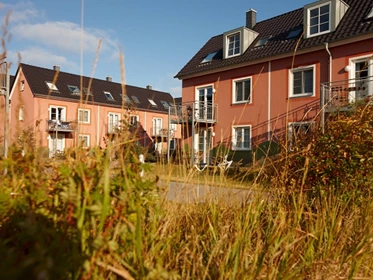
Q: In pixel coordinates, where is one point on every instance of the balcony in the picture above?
(113, 128)
(161, 132)
(60, 125)
(194, 112)
(341, 95)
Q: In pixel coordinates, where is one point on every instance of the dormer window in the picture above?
(237, 41)
(74, 90)
(319, 19)
(323, 16)
(109, 96)
(233, 44)
(52, 86)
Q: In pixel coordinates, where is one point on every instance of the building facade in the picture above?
(269, 79)
(64, 110)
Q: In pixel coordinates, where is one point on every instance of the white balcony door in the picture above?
(57, 113)
(56, 143)
(204, 103)
(157, 126)
(361, 72)
(113, 122)
(203, 144)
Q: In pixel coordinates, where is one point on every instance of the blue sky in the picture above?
(157, 38)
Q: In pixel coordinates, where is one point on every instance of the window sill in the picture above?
(301, 95)
(241, 103)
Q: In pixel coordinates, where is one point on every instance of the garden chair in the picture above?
(225, 163)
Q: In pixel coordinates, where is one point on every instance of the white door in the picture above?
(113, 123)
(204, 106)
(56, 143)
(157, 126)
(361, 72)
(203, 140)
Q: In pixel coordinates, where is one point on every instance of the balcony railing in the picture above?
(60, 125)
(342, 94)
(161, 132)
(113, 128)
(197, 111)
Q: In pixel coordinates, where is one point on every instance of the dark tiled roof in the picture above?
(353, 23)
(37, 78)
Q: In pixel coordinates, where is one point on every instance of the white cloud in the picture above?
(175, 91)
(20, 12)
(41, 57)
(65, 36)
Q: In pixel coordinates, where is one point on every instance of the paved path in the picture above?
(196, 193)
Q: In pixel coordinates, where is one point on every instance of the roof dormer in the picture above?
(237, 41)
(323, 16)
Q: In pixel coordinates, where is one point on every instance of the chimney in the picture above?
(250, 18)
(149, 87)
(109, 79)
(56, 67)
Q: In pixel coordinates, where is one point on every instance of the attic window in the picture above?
(134, 98)
(126, 99)
(319, 19)
(370, 15)
(74, 90)
(262, 42)
(109, 96)
(233, 42)
(165, 104)
(209, 57)
(294, 33)
(152, 103)
(51, 86)
(87, 92)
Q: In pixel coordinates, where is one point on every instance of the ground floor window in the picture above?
(84, 141)
(241, 137)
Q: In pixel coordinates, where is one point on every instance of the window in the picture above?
(113, 123)
(51, 86)
(84, 140)
(135, 99)
(233, 42)
(241, 137)
(173, 127)
(294, 33)
(57, 113)
(152, 103)
(109, 96)
(165, 104)
(21, 114)
(126, 99)
(299, 130)
(134, 120)
(87, 92)
(302, 81)
(74, 90)
(319, 19)
(370, 15)
(84, 116)
(22, 85)
(209, 57)
(262, 42)
(242, 90)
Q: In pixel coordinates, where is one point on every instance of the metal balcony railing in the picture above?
(342, 94)
(60, 125)
(161, 132)
(197, 111)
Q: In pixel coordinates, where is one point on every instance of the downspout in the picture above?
(323, 88)
(98, 127)
(269, 101)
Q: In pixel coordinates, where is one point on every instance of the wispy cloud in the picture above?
(64, 36)
(21, 12)
(41, 57)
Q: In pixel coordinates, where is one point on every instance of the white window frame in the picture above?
(74, 90)
(63, 112)
(130, 122)
(112, 127)
(151, 101)
(352, 71)
(81, 110)
(309, 19)
(51, 86)
(109, 96)
(298, 124)
(21, 113)
(87, 140)
(234, 95)
(234, 140)
(239, 33)
(291, 81)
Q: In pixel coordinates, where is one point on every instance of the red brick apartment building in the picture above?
(270, 78)
(64, 110)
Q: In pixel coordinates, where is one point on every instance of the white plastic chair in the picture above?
(225, 164)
